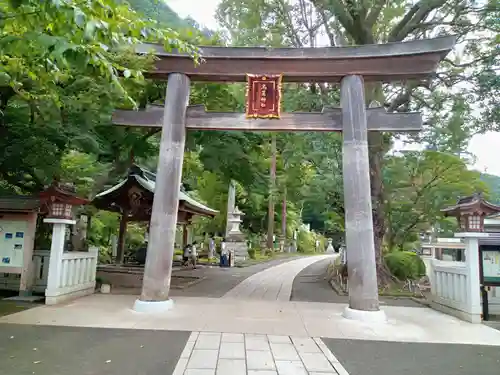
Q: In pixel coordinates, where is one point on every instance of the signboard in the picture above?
(12, 243)
(491, 266)
(263, 96)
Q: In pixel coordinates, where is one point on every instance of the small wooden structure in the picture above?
(133, 199)
(471, 211)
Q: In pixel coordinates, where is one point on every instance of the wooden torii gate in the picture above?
(349, 66)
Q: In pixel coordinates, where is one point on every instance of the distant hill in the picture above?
(493, 183)
(158, 10)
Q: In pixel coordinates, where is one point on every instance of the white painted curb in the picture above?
(152, 307)
(365, 316)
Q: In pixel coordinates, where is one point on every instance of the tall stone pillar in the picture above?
(474, 309)
(158, 268)
(363, 289)
(55, 260)
(231, 204)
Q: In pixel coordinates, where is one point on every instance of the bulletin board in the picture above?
(12, 238)
(490, 265)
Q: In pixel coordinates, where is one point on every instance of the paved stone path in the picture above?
(218, 281)
(210, 353)
(274, 284)
(254, 330)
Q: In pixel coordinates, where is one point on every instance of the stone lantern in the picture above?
(470, 212)
(58, 201)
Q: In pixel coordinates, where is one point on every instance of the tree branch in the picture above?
(414, 16)
(340, 11)
(374, 13)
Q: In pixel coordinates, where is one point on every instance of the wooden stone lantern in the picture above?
(470, 212)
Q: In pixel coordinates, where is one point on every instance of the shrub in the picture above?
(405, 265)
(420, 263)
(104, 256)
(305, 242)
(251, 253)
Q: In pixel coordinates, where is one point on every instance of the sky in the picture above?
(485, 146)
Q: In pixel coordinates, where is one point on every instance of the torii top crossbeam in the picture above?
(377, 62)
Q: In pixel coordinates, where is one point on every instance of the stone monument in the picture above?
(329, 248)
(235, 239)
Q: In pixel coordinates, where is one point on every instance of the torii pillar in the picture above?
(158, 268)
(361, 263)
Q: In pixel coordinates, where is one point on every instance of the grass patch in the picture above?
(11, 307)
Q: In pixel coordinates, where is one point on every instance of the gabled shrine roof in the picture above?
(147, 180)
(474, 203)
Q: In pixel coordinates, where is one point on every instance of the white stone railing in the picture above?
(76, 276)
(449, 285)
(40, 269)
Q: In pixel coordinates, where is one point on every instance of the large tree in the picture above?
(65, 65)
(469, 71)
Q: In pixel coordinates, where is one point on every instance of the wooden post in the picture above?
(121, 237)
(184, 236)
(363, 290)
(158, 268)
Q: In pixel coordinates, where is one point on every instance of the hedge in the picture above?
(405, 265)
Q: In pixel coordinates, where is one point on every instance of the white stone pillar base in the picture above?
(153, 307)
(365, 316)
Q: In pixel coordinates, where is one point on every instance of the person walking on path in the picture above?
(194, 254)
(211, 247)
(186, 254)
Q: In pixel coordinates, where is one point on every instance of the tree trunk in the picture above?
(283, 216)
(376, 154)
(283, 221)
(272, 185)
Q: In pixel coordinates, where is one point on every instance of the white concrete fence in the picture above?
(455, 286)
(449, 287)
(74, 278)
(76, 275)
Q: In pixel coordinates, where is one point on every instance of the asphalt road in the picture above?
(44, 350)
(395, 358)
(310, 285)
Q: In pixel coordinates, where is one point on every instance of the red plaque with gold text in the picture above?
(263, 96)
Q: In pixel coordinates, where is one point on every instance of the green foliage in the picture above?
(252, 253)
(493, 183)
(306, 241)
(159, 11)
(65, 66)
(418, 185)
(405, 265)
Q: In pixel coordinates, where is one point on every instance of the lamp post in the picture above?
(58, 201)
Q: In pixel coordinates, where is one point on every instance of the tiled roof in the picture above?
(147, 180)
(19, 203)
